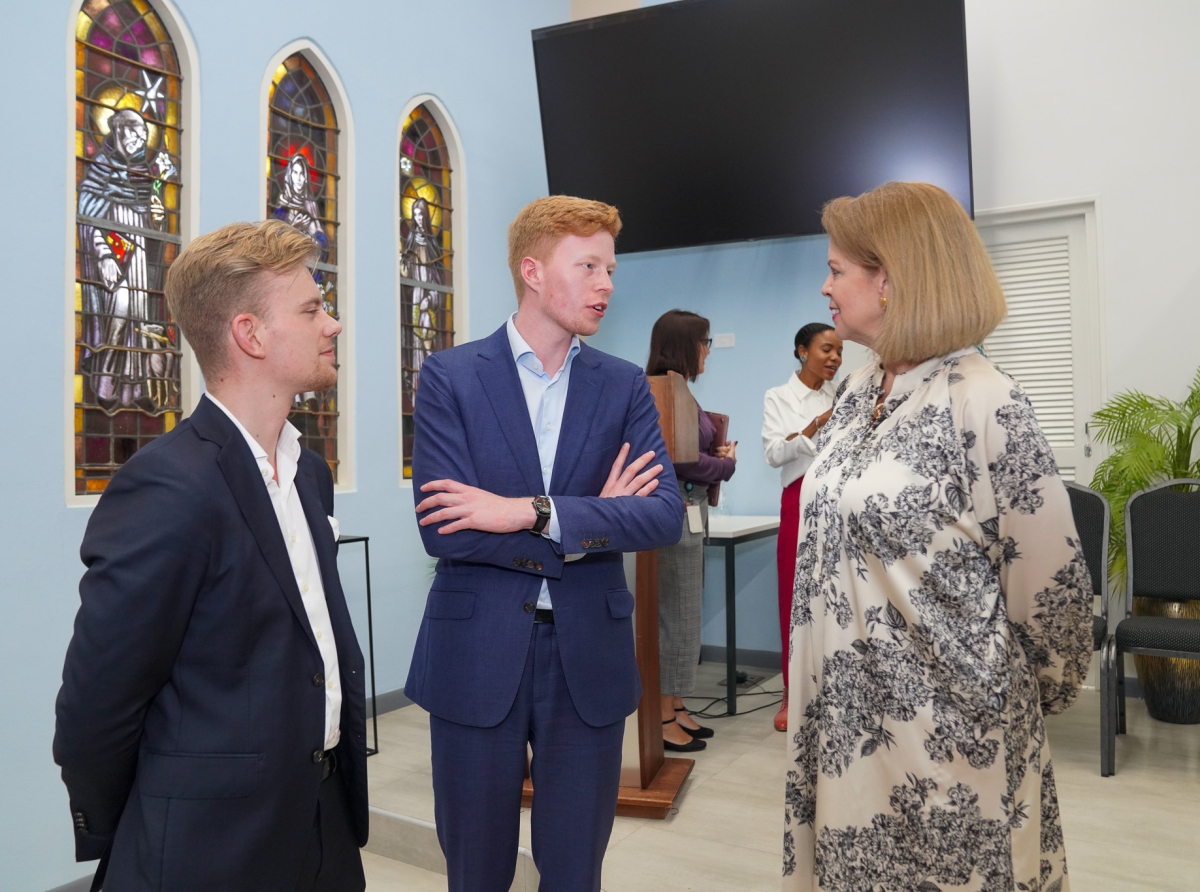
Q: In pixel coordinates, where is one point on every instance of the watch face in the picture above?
(541, 505)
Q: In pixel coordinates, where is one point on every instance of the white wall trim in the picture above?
(458, 235)
(189, 217)
(347, 391)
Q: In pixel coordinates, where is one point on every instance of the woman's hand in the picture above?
(728, 451)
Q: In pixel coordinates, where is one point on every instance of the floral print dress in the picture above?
(942, 606)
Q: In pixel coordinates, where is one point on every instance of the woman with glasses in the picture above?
(680, 342)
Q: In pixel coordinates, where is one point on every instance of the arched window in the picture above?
(127, 143)
(302, 189)
(426, 256)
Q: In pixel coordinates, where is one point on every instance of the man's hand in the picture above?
(470, 508)
(627, 481)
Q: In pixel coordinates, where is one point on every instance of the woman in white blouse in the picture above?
(792, 415)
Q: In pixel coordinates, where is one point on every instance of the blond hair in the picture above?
(218, 276)
(542, 224)
(943, 294)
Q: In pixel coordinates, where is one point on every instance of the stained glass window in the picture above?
(426, 257)
(127, 137)
(302, 189)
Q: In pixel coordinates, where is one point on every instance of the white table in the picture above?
(728, 531)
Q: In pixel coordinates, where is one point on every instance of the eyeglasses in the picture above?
(707, 342)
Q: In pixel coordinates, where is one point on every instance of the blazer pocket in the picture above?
(198, 775)
(620, 603)
(446, 604)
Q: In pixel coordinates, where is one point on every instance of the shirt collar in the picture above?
(287, 446)
(523, 354)
(802, 390)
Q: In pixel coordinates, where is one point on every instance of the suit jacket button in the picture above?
(530, 607)
(538, 565)
(318, 679)
(318, 755)
(516, 562)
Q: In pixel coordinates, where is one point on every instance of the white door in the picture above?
(1051, 341)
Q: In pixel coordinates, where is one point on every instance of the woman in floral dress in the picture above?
(942, 604)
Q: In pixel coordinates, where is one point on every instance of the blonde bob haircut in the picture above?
(541, 225)
(219, 275)
(942, 292)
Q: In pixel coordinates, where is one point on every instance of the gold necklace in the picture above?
(875, 415)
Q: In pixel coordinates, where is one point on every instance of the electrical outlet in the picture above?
(722, 340)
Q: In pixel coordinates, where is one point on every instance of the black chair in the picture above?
(1162, 548)
(1092, 520)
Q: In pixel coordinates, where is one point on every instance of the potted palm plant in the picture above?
(1152, 439)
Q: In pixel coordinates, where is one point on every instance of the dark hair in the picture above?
(675, 344)
(805, 336)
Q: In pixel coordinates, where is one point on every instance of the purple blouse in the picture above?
(709, 469)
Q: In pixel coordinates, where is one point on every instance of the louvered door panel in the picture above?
(1034, 344)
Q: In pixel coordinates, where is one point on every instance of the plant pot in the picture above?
(1170, 687)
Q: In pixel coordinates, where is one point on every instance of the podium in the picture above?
(650, 790)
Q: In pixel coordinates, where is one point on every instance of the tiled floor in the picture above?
(1136, 831)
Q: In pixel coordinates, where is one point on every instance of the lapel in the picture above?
(498, 374)
(241, 473)
(579, 414)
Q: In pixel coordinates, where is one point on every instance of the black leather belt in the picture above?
(328, 760)
(543, 616)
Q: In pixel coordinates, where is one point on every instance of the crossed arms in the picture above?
(460, 520)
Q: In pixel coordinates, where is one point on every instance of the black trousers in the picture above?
(332, 862)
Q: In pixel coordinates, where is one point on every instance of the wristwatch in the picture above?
(541, 505)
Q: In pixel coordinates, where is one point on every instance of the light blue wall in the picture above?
(761, 292)
(476, 57)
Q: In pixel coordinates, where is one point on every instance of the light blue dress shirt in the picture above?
(546, 399)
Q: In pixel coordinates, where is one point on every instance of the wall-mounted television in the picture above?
(711, 121)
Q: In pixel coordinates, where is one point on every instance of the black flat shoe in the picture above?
(698, 733)
(692, 746)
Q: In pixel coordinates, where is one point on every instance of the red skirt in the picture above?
(785, 561)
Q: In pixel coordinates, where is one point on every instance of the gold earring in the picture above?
(883, 301)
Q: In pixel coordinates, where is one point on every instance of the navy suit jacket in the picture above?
(192, 700)
(472, 425)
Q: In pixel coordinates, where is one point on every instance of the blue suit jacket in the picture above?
(472, 425)
(190, 706)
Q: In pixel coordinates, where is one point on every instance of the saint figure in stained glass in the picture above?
(127, 354)
(297, 205)
(421, 262)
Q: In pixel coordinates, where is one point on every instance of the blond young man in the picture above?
(524, 495)
(211, 720)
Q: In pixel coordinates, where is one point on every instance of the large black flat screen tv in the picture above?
(711, 121)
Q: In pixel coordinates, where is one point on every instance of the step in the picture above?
(413, 843)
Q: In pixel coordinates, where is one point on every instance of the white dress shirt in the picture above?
(303, 555)
(789, 409)
(546, 400)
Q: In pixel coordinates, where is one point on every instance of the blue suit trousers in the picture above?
(478, 774)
